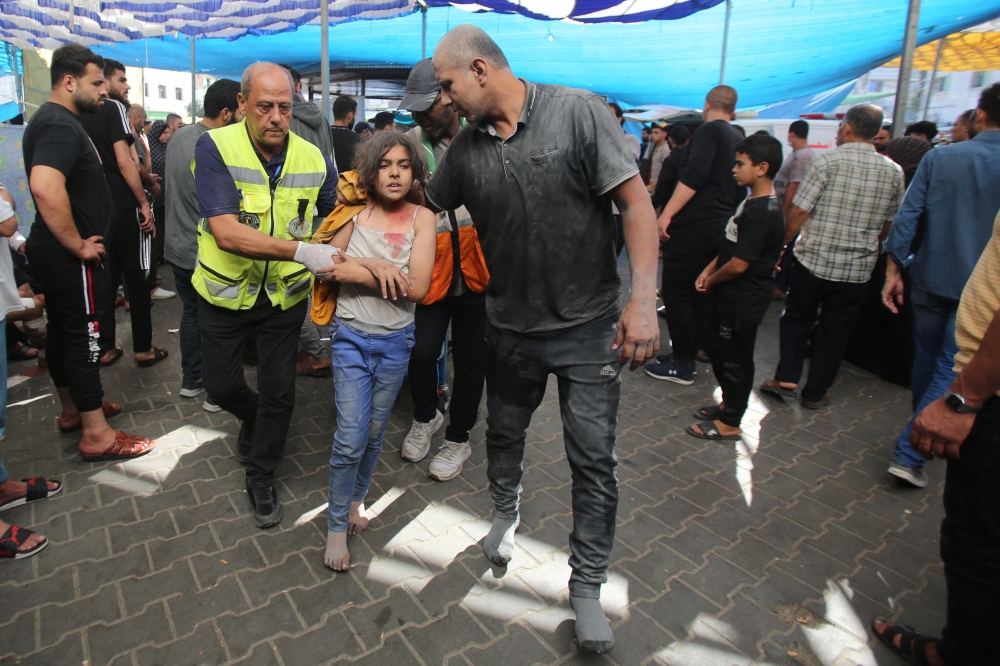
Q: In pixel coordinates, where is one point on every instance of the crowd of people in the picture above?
(275, 224)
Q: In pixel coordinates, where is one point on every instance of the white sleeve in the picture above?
(6, 212)
(16, 240)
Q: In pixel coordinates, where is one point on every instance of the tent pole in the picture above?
(929, 90)
(324, 54)
(905, 69)
(725, 43)
(194, 102)
(423, 31)
(18, 90)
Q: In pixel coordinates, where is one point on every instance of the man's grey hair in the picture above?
(251, 72)
(464, 43)
(865, 120)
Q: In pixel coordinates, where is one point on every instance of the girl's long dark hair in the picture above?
(370, 152)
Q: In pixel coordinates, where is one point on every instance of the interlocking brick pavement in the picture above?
(778, 549)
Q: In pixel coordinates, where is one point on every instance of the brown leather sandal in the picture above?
(125, 447)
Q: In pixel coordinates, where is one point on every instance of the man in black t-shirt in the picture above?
(75, 212)
(130, 243)
(691, 224)
(741, 284)
(345, 139)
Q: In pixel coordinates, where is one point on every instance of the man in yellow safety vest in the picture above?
(259, 187)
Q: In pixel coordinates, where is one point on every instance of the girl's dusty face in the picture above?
(395, 174)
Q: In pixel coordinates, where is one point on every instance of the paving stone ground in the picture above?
(778, 549)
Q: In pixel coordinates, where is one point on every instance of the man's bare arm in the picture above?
(638, 331)
(129, 169)
(794, 219)
(786, 203)
(238, 239)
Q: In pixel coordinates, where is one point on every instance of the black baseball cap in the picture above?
(421, 88)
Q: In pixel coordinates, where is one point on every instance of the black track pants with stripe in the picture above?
(76, 295)
(129, 259)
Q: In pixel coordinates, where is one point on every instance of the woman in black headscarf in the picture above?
(882, 342)
(158, 135)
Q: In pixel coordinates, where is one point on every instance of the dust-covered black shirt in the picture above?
(539, 200)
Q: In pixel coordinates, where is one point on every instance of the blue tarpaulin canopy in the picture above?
(778, 49)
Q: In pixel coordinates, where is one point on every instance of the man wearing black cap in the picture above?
(457, 294)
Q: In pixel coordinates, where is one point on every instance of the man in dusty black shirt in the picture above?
(538, 167)
(741, 282)
(692, 225)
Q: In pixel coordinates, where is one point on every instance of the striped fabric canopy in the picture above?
(50, 23)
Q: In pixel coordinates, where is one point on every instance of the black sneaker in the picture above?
(243, 443)
(265, 505)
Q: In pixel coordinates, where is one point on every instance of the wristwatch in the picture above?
(958, 404)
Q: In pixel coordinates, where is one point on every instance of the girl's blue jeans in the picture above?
(368, 372)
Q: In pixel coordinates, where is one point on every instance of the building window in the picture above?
(162, 90)
(875, 86)
(978, 79)
(179, 94)
(938, 86)
(145, 90)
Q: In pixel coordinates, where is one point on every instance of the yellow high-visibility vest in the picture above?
(233, 282)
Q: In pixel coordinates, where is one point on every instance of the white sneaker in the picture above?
(210, 406)
(447, 464)
(192, 392)
(418, 440)
(161, 294)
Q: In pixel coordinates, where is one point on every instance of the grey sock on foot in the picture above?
(499, 543)
(592, 628)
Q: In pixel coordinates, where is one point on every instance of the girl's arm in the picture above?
(347, 269)
(422, 255)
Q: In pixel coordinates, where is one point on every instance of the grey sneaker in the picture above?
(418, 440)
(210, 406)
(265, 506)
(915, 477)
(447, 464)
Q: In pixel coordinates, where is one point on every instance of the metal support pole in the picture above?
(194, 100)
(929, 90)
(324, 54)
(725, 43)
(905, 69)
(423, 32)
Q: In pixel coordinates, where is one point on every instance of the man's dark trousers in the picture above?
(841, 302)
(685, 256)
(970, 543)
(276, 331)
(587, 370)
(190, 336)
(467, 314)
(731, 351)
(129, 260)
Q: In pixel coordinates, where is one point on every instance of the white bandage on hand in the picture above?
(315, 257)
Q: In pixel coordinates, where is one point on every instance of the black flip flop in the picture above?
(118, 353)
(709, 431)
(910, 636)
(13, 539)
(158, 355)
(708, 413)
(22, 353)
(38, 489)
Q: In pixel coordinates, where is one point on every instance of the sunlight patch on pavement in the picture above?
(372, 512)
(843, 639)
(128, 475)
(29, 400)
(534, 585)
(748, 444)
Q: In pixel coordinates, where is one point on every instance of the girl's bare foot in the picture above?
(357, 522)
(336, 556)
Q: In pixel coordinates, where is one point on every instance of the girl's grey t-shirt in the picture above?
(539, 201)
(181, 238)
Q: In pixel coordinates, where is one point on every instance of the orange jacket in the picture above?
(454, 229)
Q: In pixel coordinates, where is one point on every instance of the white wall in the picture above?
(146, 88)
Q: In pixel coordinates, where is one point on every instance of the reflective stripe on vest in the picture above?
(234, 282)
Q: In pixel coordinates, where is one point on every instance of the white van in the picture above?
(822, 133)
